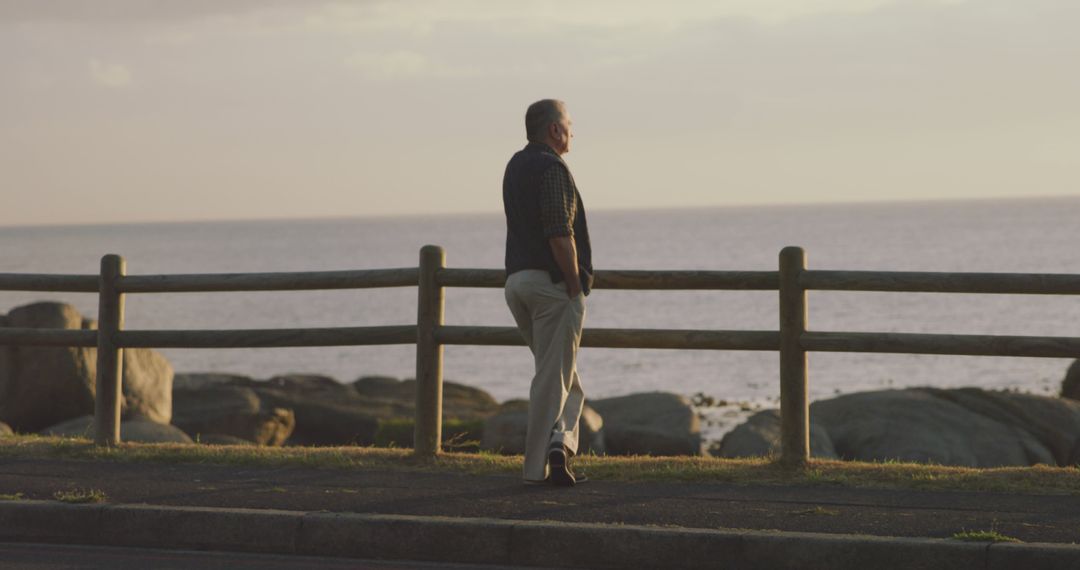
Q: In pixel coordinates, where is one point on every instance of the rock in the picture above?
(920, 425)
(1053, 422)
(759, 436)
(310, 385)
(326, 411)
(221, 439)
(197, 380)
(1070, 386)
(460, 402)
(965, 426)
(146, 431)
(137, 429)
(653, 423)
(147, 385)
(231, 410)
(504, 432)
(5, 430)
(82, 426)
(42, 386)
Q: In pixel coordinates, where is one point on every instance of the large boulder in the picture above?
(221, 439)
(199, 380)
(235, 411)
(147, 385)
(966, 426)
(504, 432)
(136, 429)
(460, 402)
(5, 430)
(42, 386)
(759, 436)
(1070, 386)
(920, 425)
(652, 423)
(326, 411)
(1053, 422)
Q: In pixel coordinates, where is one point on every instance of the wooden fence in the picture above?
(792, 340)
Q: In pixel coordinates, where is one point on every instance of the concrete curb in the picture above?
(506, 542)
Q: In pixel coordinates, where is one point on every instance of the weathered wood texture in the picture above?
(47, 337)
(298, 281)
(61, 283)
(427, 429)
(688, 280)
(268, 338)
(110, 357)
(622, 338)
(963, 345)
(931, 282)
(632, 279)
(794, 403)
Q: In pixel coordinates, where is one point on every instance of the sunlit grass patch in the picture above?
(983, 536)
(1039, 479)
(80, 496)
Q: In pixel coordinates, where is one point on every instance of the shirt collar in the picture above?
(542, 147)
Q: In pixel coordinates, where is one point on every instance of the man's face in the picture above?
(561, 133)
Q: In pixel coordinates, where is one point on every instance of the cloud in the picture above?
(390, 65)
(403, 64)
(120, 11)
(111, 75)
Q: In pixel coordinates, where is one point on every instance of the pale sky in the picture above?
(164, 110)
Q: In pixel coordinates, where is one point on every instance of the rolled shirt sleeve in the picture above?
(558, 202)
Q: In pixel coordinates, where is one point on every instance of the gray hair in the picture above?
(541, 114)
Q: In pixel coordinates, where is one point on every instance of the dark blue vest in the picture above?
(526, 245)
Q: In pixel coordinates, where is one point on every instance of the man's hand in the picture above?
(565, 252)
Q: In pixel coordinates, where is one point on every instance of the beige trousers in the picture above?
(551, 324)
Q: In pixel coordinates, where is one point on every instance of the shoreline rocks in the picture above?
(504, 432)
(967, 427)
(44, 386)
(137, 429)
(650, 423)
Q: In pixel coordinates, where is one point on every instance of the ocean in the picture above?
(1031, 235)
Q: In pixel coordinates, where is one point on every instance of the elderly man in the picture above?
(549, 273)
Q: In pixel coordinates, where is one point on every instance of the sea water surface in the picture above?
(1036, 235)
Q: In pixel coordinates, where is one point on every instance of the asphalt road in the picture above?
(64, 557)
(1031, 518)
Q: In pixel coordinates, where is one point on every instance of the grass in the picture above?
(1039, 479)
(983, 536)
(80, 496)
(10, 496)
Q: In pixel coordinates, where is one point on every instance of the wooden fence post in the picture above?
(110, 358)
(427, 437)
(794, 408)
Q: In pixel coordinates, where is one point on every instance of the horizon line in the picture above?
(402, 215)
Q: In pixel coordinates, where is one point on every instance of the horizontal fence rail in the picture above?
(933, 282)
(793, 339)
(632, 279)
(361, 279)
(268, 338)
(949, 344)
(622, 338)
(52, 283)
